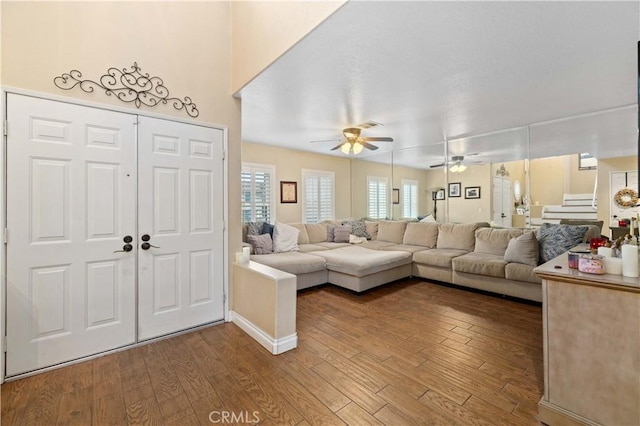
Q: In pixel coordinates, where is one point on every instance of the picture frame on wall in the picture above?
(439, 194)
(455, 189)
(472, 192)
(396, 196)
(288, 192)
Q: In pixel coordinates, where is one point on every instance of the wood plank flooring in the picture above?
(411, 352)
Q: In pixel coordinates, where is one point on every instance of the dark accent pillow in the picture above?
(341, 234)
(358, 228)
(556, 239)
(262, 244)
(267, 228)
(330, 232)
(523, 249)
(254, 228)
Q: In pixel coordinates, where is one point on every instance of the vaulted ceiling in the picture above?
(435, 71)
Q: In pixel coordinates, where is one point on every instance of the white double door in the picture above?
(502, 201)
(81, 183)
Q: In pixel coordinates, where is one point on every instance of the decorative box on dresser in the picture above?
(591, 332)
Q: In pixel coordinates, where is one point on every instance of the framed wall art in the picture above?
(472, 192)
(455, 190)
(288, 192)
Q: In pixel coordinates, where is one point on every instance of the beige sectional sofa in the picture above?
(470, 255)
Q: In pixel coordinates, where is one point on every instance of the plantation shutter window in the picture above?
(409, 198)
(377, 197)
(257, 184)
(317, 196)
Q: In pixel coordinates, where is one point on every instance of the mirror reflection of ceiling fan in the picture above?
(353, 143)
(457, 163)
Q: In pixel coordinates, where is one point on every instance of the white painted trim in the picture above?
(3, 225)
(275, 346)
(109, 107)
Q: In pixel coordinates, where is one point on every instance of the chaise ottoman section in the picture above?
(310, 270)
(359, 269)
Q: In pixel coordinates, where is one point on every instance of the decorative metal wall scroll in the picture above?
(128, 86)
(502, 171)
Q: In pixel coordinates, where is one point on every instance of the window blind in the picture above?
(377, 197)
(409, 198)
(318, 196)
(257, 182)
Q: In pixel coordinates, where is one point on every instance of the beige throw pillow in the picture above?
(523, 249)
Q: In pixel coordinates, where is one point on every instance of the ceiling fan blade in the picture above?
(433, 166)
(369, 146)
(375, 139)
(337, 146)
(369, 124)
(325, 140)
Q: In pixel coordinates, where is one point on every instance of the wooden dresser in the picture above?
(591, 347)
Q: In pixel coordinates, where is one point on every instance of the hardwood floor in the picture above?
(411, 352)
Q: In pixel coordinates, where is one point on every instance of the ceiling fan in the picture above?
(353, 142)
(457, 163)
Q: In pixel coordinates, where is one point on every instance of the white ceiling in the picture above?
(431, 71)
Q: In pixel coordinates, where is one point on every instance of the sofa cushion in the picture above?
(285, 238)
(523, 249)
(307, 248)
(493, 240)
(372, 229)
(262, 244)
(403, 247)
(377, 245)
(556, 239)
(358, 228)
(391, 231)
(521, 272)
(491, 265)
(317, 232)
(437, 257)
(341, 234)
(292, 262)
(303, 237)
(331, 245)
(359, 261)
(421, 234)
(457, 236)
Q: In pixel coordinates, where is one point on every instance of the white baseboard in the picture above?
(275, 346)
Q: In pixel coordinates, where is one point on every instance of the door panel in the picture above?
(71, 190)
(180, 207)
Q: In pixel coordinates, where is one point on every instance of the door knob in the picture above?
(147, 246)
(125, 248)
(127, 239)
(145, 237)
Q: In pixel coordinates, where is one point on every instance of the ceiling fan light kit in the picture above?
(353, 143)
(457, 167)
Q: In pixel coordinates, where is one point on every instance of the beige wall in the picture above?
(580, 181)
(605, 167)
(289, 164)
(547, 180)
(263, 31)
(552, 177)
(472, 210)
(186, 43)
